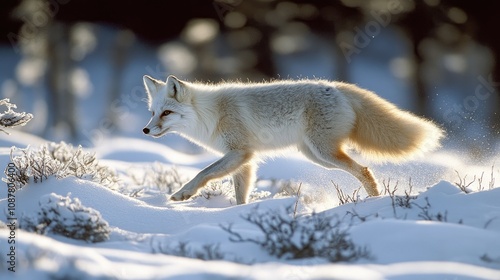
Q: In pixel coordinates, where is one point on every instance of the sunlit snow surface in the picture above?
(445, 234)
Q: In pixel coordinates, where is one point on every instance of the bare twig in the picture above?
(297, 202)
(346, 198)
(462, 183)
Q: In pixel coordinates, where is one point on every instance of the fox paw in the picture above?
(181, 195)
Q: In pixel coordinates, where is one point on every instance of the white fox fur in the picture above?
(246, 122)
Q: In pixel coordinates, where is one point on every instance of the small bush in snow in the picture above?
(346, 198)
(294, 238)
(10, 118)
(257, 195)
(67, 217)
(404, 201)
(218, 188)
(182, 249)
(290, 188)
(36, 165)
(425, 213)
(285, 188)
(61, 160)
(161, 176)
(491, 260)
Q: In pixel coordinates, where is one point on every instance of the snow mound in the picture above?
(429, 233)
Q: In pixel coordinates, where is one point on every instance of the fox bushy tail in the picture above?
(382, 132)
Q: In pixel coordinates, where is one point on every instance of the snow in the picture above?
(441, 233)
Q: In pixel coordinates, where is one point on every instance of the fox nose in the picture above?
(146, 130)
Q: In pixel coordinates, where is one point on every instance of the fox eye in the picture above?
(166, 113)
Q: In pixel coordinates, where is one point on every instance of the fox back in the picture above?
(264, 117)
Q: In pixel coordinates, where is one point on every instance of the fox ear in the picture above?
(176, 89)
(151, 85)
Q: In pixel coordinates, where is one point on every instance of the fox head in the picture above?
(169, 104)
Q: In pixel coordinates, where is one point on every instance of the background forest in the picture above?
(77, 65)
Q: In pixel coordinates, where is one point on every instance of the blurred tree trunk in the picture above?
(61, 101)
(119, 57)
(265, 61)
(418, 24)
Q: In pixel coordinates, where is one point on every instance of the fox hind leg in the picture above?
(331, 158)
(363, 174)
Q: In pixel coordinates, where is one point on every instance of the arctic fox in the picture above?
(246, 122)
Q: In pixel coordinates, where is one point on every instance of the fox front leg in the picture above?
(221, 168)
(188, 190)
